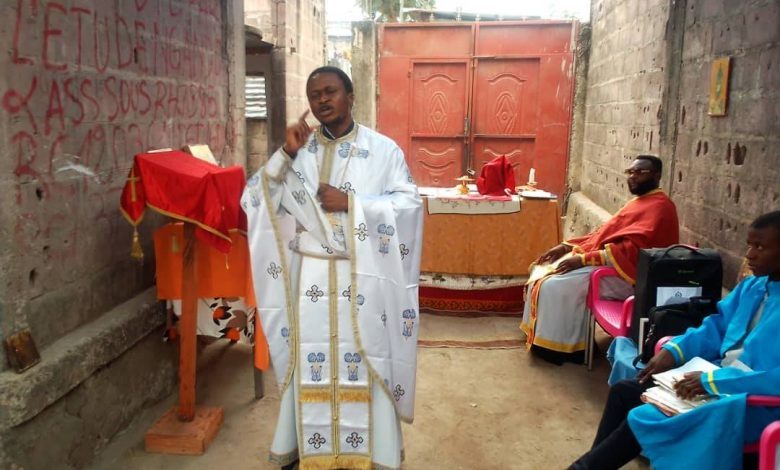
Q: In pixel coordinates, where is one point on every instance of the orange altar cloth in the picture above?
(489, 244)
(220, 275)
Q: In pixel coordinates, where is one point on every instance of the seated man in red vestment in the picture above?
(555, 317)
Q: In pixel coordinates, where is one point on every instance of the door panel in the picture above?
(437, 161)
(506, 100)
(531, 38)
(456, 95)
(439, 101)
(393, 102)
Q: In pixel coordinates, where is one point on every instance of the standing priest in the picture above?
(335, 232)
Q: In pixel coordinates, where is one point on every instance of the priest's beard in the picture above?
(643, 188)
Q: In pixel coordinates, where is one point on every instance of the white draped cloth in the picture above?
(338, 298)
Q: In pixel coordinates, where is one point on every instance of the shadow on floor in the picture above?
(475, 408)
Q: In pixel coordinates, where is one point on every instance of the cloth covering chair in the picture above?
(614, 316)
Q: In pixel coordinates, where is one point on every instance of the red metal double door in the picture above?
(456, 95)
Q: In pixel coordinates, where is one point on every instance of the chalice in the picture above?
(463, 186)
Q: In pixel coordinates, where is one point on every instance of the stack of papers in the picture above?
(539, 271)
(663, 395)
(536, 194)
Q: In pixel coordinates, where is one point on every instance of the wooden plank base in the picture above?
(169, 435)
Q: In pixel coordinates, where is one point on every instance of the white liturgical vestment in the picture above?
(337, 297)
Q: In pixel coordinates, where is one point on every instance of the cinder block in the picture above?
(728, 35)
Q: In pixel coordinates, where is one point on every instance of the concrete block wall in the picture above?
(364, 71)
(624, 94)
(647, 92)
(296, 28)
(306, 50)
(85, 85)
(726, 168)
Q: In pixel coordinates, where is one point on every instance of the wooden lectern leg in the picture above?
(186, 429)
(257, 374)
(188, 326)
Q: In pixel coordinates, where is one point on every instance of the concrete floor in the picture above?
(475, 409)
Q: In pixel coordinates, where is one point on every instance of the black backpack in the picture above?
(673, 320)
(675, 266)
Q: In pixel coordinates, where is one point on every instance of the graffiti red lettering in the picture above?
(94, 144)
(126, 97)
(55, 108)
(172, 11)
(139, 141)
(140, 45)
(75, 99)
(86, 85)
(174, 57)
(122, 24)
(109, 88)
(13, 102)
(55, 149)
(24, 161)
(173, 100)
(159, 98)
(77, 132)
(106, 41)
(79, 40)
(144, 94)
(18, 59)
(49, 32)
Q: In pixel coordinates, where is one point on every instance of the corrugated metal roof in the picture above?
(256, 107)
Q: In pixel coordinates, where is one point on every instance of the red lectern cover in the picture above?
(185, 188)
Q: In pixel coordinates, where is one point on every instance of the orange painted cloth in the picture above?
(181, 186)
(489, 244)
(647, 221)
(219, 274)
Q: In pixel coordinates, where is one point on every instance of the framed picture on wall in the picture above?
(719, 86)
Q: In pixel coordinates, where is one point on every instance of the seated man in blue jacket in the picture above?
(744, 337)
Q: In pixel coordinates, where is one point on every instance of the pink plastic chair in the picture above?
(767, 454)
(614, 316)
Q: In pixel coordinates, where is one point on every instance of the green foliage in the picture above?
(390, 9)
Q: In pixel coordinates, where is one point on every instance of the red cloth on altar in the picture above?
(647, 221)
(496, 178)
(181, 186)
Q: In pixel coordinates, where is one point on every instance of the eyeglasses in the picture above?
(632, 172)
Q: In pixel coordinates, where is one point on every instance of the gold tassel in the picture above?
(315, 395)
(136, 251)
(352, 395)
(326, 462)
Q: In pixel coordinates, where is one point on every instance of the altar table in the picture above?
(489, 244)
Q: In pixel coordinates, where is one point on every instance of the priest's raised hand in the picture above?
(295, 136)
